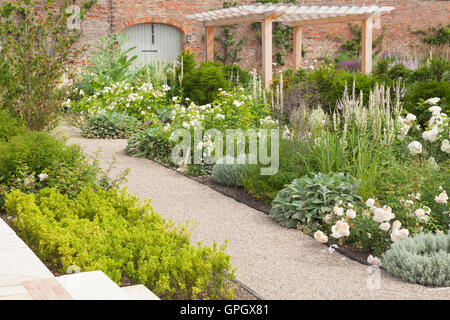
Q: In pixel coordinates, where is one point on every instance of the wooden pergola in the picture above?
(297, 16)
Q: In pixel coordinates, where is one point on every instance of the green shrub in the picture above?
(186, 63)
(309, 199)
(110, 126)
(228, 172)
(151, 143)
(331, 84)
(434, 70)
(202, 84)
(113, 232)
(38, 151)
(399, 71)
(236, 74)
(10, 126)
(266, 187)
(426, 90)
(423, 259)
(35, 160)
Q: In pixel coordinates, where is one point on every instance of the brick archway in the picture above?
(160, 20)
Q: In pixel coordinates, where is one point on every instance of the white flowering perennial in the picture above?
(415, 148)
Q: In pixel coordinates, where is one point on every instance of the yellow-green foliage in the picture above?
(113, 232)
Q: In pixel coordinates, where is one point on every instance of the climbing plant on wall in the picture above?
(231, 46)
(435, 36)
(351, 49)
(282, 35)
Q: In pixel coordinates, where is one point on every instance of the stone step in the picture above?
(17, 262)
(14, 292)
(94, 285)
(139, 292)
(46, 289)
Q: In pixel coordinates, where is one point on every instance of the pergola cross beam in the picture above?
(298, 16)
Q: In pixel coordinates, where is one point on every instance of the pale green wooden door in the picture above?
(154, 41)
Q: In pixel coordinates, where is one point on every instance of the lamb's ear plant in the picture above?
(306, 201)
(423, 259)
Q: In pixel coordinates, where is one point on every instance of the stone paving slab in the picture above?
(276, 262)
(17, 262)
(139, 292)
(93, 285)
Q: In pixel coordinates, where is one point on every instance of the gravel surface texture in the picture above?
(275, 262)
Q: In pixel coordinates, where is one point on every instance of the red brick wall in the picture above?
(319, 40)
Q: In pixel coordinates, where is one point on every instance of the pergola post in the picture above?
(366, 45)
(297, 56)
(210, 43)
(267, 51)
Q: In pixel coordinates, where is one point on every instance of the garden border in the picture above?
(340, 250)
(328, 245)
(344, 252)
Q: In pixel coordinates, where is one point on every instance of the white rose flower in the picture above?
(340, 229)
(374, 261)
(398, 234)
(419, 213)
(370, 202)
(321, 237)
(351, 213)
(338, 211)
(396, 225)
(445, 147)
(327, 219)
(381, 215)
(43, 177)
(431, 135)
(415, 148)
(385, 226)
(441, 198)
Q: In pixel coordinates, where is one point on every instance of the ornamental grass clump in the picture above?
(423, 259)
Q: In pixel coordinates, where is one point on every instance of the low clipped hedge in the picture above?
(423, 259)
(113, 232)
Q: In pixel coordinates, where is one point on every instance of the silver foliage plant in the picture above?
(228, 171)
(423, 259)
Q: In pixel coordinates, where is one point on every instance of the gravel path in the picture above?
(276, 262)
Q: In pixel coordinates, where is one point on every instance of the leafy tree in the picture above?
(37, 49)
